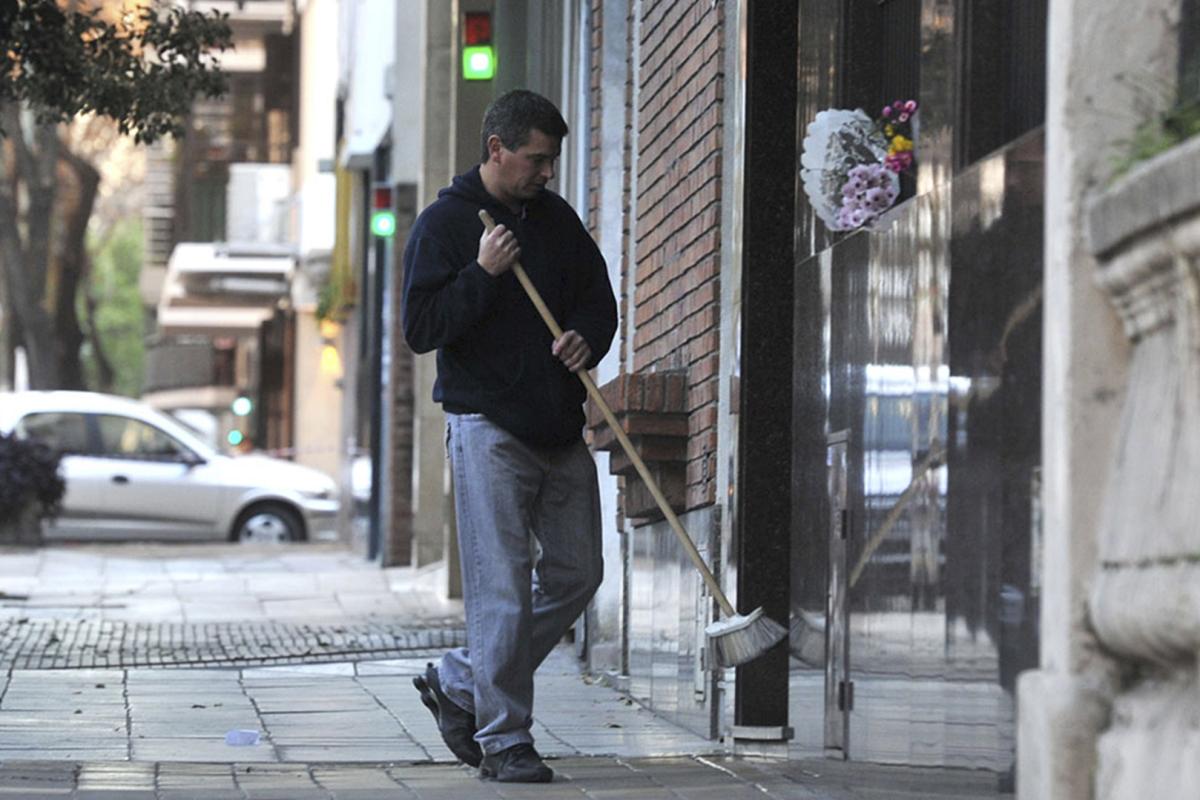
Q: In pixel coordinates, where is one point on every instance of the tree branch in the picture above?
(43, 191)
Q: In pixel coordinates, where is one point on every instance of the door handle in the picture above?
(120, 479)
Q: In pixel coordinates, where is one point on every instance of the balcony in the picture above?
(223, 289)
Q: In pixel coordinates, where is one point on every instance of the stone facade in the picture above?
(1112, 712)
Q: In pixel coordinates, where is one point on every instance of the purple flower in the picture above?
(887, 111)
(869, 190)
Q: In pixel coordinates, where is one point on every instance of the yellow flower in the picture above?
(900, 145)
(888, 130)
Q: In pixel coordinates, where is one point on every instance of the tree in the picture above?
(142, 69)
(114, 353)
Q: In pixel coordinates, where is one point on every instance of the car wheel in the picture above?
(269, 522)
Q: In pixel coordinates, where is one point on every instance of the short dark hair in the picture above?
(512, 115)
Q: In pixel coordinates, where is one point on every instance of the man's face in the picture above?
(523, 173)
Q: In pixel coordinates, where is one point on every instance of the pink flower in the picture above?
(910, 106)
(898, 162)
(903, 117)
(887, 111)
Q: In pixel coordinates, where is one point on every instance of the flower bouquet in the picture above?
(851, 164)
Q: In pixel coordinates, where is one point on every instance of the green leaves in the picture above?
(143, 70)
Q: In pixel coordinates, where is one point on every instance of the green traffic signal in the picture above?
(479, 63)
(235, 437)
(383, 223)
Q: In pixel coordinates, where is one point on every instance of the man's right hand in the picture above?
(498, 250)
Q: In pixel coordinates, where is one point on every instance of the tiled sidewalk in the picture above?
(336, 713)
(201, 584)
(353, 729)
(156, 605)
(576, 778)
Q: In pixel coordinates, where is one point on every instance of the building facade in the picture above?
(889, 436)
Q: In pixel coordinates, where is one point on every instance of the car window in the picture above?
(125, 437)
(64, 431)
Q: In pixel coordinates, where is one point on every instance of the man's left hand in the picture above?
(572, 350)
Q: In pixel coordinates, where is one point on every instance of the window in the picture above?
(65, 432)
(125, 437)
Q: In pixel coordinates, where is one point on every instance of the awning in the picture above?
(214, 320)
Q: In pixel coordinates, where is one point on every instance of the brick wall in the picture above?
(672, 211)
(678, 237)
(595, 58)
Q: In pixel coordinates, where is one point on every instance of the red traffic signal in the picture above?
(477, 28)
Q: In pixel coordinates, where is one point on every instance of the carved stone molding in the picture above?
(1144, 603)
(1145, 231)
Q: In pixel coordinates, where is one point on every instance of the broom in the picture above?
(733, 640)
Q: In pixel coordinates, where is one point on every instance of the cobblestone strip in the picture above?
(62, 644)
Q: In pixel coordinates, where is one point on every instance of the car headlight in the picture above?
(316, 494)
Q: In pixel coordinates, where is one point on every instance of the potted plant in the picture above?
(31, 488)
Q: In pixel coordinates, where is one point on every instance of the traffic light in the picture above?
(235, 437)
(242, 406)
(479, 57)
(383, 218)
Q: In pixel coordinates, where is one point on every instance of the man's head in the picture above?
(521, 137)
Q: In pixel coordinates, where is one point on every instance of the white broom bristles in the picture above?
(739, 638)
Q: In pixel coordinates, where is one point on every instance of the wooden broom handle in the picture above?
(622, 437)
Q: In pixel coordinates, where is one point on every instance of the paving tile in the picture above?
(200, 793)
(355, 753)
(342, 781)
(69, 752)
(393, 666)
(186, 749)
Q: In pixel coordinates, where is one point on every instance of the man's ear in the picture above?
(493, 147)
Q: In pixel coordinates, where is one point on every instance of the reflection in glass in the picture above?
(927, 354)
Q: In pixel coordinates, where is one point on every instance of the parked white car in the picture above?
(133, 472)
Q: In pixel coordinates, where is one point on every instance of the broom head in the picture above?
(738, 639)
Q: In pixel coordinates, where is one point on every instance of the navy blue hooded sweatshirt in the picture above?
(493, 349)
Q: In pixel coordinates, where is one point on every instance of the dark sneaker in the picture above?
(518, 764)
(456, 724)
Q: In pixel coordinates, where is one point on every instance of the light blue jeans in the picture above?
(509, 495)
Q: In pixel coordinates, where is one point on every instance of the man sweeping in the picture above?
(514, 410)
